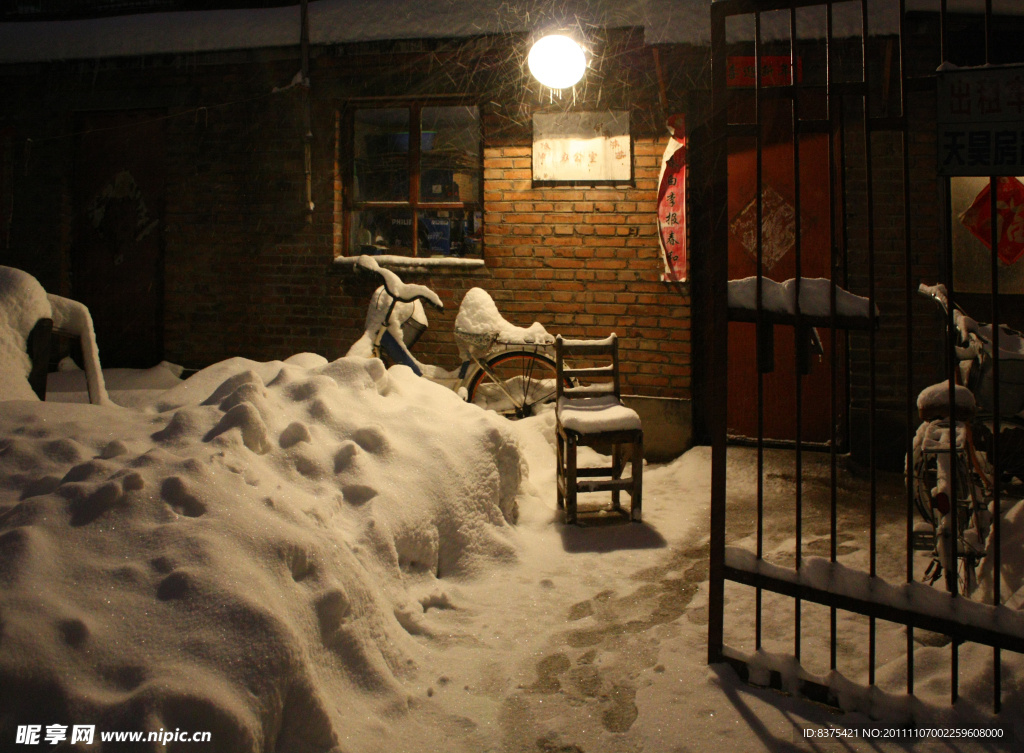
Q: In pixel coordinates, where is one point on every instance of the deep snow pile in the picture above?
(253, 560)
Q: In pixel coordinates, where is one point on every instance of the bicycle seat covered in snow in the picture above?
(480, 324)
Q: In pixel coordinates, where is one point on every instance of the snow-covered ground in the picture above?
(304, 556)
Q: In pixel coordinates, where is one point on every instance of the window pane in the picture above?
(450, 158)
(381, 155)
(382, 231)
(449, 233)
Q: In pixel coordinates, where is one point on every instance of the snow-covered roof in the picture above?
(342, 21)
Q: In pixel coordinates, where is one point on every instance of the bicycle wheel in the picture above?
(971, 529)
(514, 383)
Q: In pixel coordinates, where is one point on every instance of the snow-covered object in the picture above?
(414, 262)
(258, 561)
(592, 414)
(933, 402)
(74, 318)
(402, 290)
(834, 577)
(382, 304)
(780, 297)
(1011, 344)
(479, 315)
(23, 302)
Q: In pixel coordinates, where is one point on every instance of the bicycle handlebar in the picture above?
(398, 290)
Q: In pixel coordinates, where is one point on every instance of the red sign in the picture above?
(774, 70)
(1009, 222)
(672, 202)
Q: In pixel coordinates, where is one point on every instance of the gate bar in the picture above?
(959, 632)
(909, 334)
(872, 365)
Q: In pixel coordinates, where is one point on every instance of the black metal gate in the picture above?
(859, 90)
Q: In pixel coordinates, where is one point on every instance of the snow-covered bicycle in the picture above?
(953, 464)
(504, 368)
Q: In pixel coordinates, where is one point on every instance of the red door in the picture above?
(116, 263)
(779, 263)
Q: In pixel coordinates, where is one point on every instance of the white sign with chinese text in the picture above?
(582, 146)
(981, 121)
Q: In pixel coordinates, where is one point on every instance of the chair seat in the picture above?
(591, 415)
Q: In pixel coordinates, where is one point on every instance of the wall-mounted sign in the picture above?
(981, 121)
(582, 147)
(740, 70)
(672, 202)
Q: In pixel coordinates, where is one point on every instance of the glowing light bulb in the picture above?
(557, 61)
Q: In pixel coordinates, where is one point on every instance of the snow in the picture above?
(593, 414)
(414, 262)
(261, 556)
(306, 556)
(479, 317)
(130, 388)
(403, 291)
(818, 572)
(780, 297)
(934, 400)
(344, 21)
(73, 318)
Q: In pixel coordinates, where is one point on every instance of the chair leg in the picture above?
(570, 479)
(560, 471)
(636, 498)
(617, 467)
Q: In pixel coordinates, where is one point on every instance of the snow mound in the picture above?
(258, 560)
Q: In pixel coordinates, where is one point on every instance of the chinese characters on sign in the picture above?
(981, 121)
(672, 202)
(739, 70)
(582, 146)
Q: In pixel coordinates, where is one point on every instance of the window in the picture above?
(413, 167)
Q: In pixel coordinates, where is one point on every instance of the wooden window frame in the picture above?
(345, 171)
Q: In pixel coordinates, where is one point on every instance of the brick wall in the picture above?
(585, 262)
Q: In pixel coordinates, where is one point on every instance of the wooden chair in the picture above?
(591, 415)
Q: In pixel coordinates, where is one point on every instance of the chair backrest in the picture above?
(603, 354)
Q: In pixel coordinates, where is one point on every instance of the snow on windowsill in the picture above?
(413, 262)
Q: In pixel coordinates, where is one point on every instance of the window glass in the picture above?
(455, 232)
(382, 231)
(450, 154)
(381, 155)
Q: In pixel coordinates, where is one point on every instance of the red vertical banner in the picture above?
(1009, 220)
(672, 202)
